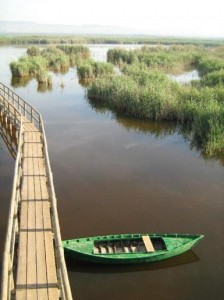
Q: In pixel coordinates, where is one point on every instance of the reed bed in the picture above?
(51, 58)
(207, 64)
(72, 39)
(170, 59)
(37, 63)
(90, 69)
(33, 51)
(138, 96)
(75, 53)
(145, 91)
(214, 78)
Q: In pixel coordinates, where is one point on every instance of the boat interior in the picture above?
(136, 245)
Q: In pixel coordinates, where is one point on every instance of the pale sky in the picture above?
(163, 17)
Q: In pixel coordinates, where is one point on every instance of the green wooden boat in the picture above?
(129, 248)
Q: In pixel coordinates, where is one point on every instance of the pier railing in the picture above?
(15, 109)
(21, 105)
(9, 136)
(12, 228)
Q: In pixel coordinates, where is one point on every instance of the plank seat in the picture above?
(148, 243)
(110, 249)
(126, 249)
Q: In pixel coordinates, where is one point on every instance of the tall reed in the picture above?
(90, 69)
(144, 91)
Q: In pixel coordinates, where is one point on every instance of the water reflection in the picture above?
(43, 88)
(63, 70)
(8, 135)
(17, 82)
(158, 129)
(195, 143)
(85, 82)
(187, 77)
(85, 267)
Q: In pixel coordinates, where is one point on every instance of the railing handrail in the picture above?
(9, 142)
(58, 241)
(32, 112)
(60, 261)
(11, 110)
(12, 211)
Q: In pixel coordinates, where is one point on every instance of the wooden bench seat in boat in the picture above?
(148, 244)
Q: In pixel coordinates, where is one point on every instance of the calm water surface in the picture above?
(116, 175)
(186, 77)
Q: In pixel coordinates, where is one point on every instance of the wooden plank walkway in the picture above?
(36, 270)
(33, 260)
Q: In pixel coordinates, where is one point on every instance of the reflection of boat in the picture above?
(129, 248)
(81, 266)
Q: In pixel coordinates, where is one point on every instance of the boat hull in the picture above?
(83, 248)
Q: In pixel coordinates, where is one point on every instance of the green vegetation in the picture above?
(28, 66)
(145, 91)
(214, 78)
(175, 58)
(38, 62)
(56, 59)
(76, 54)
(209, 64)
(33, 51)
(138, 96)
(107, 39)
(90, 69)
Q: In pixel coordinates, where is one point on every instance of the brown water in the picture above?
(116, 175)
(6, 174)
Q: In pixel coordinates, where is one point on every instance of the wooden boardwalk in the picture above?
(36, 271)
(34, 264)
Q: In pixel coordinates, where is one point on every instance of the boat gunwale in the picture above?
(132, 236)
(120, 237)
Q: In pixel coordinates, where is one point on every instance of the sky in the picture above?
(158, 17)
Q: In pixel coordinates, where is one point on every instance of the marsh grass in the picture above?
(38, 62)
(75, 53)
(137, 96)
(90, 69)
(214, 78)
(44, 78)
(108, 39)
(144, 91)
(170, 59)
(28, 66)
(56, 59)
(206, 64)
(33, 51)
